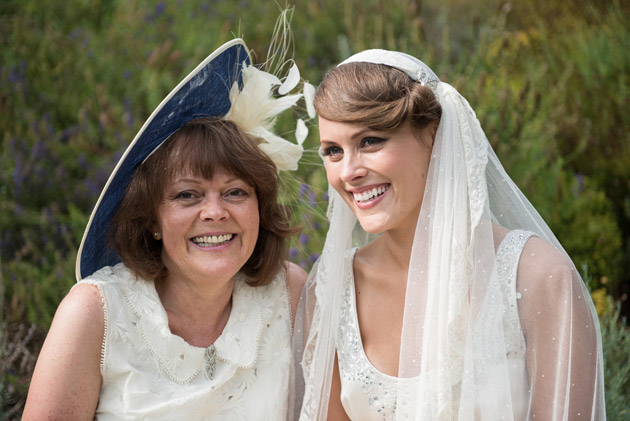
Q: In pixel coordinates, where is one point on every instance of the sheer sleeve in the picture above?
(318, 315)
(306, 401)
(301, 329)
(562, 337)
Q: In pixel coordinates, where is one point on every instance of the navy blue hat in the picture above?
(205, 92)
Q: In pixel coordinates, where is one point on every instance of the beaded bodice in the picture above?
(368, 394)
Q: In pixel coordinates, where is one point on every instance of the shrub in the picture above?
(549, 82)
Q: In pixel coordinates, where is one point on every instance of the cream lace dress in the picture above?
(150, 373)
(368, 394)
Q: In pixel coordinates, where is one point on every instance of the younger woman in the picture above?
(463, 306)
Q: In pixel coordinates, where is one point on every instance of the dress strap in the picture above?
(508, 256)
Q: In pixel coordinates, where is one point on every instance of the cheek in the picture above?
(255, 226)
(332, 174)
(172, 219)
(251, 217)
(418, 178)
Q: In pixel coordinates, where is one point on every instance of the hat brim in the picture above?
(203, 93)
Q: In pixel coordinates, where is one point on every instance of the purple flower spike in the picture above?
(293, 253)
(303, 189)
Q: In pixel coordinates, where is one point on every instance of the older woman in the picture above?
(463, 306)
(186, 311)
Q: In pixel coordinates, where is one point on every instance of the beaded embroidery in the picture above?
(426, 79)
(507, 264)
(379, 389)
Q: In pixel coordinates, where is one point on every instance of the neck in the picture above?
(397, 247)
(197, 313)
(391, 250)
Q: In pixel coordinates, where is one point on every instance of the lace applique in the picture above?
(500, 304)
(149, 370)
(182, 362)
(379, 389)
(508, 257)
(476, 155)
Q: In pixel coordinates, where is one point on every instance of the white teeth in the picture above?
(212, 240)
(369, 194)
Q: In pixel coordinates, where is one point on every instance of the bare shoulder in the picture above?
(66, 380)
(84, 301)
(79, 322)
(296, 277)
(498, 233)
(541, 260)
(546, 271)
(81, 313)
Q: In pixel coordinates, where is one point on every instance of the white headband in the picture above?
(415, 68)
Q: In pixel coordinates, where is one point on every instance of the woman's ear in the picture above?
(426, 135)
(433, 130)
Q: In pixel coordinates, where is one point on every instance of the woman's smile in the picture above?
(367, 197)
(212, 240)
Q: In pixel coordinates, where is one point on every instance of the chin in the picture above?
(372, 227)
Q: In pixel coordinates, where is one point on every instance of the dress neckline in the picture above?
(504, 246)
(355, 320)
(237, 344)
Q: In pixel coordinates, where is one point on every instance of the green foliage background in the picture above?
(549, 80)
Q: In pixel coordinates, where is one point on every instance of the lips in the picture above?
(212, 240)
(370, 194)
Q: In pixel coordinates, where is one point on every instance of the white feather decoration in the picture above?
(301, 131)
(293, 78)
(309, 96)
(254, 110)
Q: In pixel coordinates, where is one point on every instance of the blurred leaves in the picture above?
(549, 81)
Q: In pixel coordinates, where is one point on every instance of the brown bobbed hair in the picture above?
(376, 96)
(200, 147)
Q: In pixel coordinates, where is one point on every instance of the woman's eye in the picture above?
(184, 195)
(332, 151)
(237, 193)
(372, 141)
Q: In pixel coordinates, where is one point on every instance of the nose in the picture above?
(213, 209)
(352, 168)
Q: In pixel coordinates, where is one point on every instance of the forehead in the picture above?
(200, 159)
(187, 174)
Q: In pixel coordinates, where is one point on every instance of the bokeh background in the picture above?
(549, 80)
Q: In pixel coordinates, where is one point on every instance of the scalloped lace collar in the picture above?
(237, 344)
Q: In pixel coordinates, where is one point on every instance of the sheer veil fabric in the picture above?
(453, 341)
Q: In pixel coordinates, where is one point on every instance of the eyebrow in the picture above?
(355, 135)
